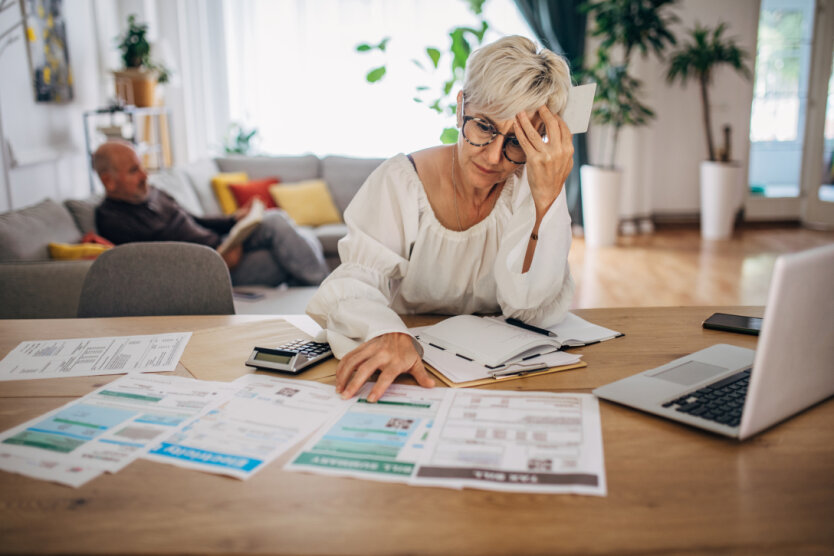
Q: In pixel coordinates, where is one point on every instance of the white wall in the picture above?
(660, 162)
(672, 148)
(46, 141)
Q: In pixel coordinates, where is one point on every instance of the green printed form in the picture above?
(368, 440)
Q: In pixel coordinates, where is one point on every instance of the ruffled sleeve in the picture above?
(353, 303)
(543, 294)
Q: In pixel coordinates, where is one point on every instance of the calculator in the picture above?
(292, 357)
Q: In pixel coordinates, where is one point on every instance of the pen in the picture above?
(516, 372)
(536, 329)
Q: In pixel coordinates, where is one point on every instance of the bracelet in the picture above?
(534, 237)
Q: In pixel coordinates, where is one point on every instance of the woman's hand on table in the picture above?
(392, 354)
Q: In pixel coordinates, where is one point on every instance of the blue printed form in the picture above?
(108, 428)
(264, 418)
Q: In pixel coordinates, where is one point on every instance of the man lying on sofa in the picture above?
(132, 210)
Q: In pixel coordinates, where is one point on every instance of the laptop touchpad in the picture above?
(689, 373)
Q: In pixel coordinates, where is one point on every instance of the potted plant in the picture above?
(721, 186)
(624, 26)
(137, 81)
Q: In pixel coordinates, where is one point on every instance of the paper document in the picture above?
(516, 441)
(382, 441)
(577, 112)
(265, 417)
(575, 331)
(456, 371)
(48, 469)
(94, 356)
(244, 227)
(112, 426)
(488, 341)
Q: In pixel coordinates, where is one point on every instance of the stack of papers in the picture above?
(468, 350)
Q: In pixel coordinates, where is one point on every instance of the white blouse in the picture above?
(397, 258)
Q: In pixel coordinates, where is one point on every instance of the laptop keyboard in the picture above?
(721, 401)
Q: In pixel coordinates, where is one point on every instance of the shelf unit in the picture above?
(148, 129)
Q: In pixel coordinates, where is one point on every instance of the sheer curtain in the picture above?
(294, 72)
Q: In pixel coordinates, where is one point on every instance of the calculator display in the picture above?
(273, 357)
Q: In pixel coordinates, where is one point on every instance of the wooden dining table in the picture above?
(671, 488)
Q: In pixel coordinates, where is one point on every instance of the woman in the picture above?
(477, 227)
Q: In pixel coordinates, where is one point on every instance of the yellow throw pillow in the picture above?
(307, 202)
(68, 251)
(220, 184)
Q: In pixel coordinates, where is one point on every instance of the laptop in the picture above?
(739, 392)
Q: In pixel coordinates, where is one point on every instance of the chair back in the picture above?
(157, 278)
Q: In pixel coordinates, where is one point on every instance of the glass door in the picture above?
(817, 209)
(780, 109)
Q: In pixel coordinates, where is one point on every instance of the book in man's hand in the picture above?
(244, 227)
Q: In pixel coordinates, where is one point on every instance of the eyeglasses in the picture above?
(479, 132)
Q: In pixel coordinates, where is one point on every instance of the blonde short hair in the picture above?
(513, 75)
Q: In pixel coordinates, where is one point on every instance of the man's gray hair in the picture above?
(513, 75)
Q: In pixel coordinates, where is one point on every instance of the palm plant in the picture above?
(625, 26)
(698, 59)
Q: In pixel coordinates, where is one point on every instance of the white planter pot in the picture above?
(600, 205)
(720, 194)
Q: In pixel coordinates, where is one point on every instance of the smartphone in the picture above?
(734, 323)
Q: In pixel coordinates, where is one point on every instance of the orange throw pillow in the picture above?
(245, 192)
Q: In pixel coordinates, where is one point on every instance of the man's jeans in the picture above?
(278, 252)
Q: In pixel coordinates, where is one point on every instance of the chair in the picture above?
(158, 278)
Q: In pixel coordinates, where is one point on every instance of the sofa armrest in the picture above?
(41, 289)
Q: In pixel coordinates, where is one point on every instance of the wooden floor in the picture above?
(674, 267)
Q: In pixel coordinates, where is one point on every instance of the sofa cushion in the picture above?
(176, 183)
(345, 175)
(286, 168)
(255, 189)
(83, 211)
(200, 174)
(220, 185)
(307, 202)
(41, 289)
(76, 251)
(25, 233)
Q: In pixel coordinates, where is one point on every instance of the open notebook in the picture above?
(458, 350)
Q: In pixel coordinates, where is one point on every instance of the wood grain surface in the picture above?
(671, 489)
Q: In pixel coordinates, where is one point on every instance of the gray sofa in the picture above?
(34, 286)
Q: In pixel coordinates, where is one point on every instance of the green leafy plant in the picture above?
(136, 50)
(697, 59)
(239, 139)
(462, 41)
(625, 27)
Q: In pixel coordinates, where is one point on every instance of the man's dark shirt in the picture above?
(158, 218)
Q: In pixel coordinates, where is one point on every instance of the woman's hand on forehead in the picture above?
(549, 162)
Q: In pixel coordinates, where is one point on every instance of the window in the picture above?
(294, 72)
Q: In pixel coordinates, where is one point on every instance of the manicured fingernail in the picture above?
(345, 396)
(372, 398)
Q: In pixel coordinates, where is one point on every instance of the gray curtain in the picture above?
(560, 26)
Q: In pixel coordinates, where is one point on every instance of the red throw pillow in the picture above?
(244, 192)
(92, 237)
